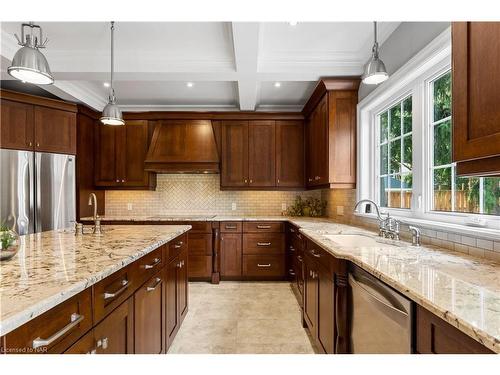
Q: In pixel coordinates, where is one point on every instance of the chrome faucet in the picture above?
(388, 227)
(97, 221)
(415, 235)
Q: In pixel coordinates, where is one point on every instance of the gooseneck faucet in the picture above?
(388, 227)
(97, 221)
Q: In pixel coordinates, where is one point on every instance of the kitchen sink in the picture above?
(356, 240)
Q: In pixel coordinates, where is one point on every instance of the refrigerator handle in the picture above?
(37, 188)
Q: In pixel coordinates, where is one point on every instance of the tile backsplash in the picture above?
(198, 194)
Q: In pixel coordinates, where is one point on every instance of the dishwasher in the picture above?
(380, 317)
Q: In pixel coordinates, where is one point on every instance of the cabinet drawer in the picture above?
(263, 226)
(200, 266)
(263, 243)
(113, 290)
(200, 244)
(55, 330)
(176, 246)
(263, 265)
(231, 226)
(147, 266)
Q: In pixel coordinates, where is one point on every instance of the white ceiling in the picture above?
(232, 65)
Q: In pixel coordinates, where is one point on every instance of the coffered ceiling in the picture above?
(229, 66)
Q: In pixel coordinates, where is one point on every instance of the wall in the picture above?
(408, 39)
(198, 194)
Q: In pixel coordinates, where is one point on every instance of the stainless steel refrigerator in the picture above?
(37, 190)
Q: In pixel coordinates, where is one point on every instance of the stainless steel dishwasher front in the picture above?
(380, 317)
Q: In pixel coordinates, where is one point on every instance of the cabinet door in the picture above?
(55, 130)
(230, 254)
(149, 316)
(16, 125)
(115, 334)
(326, 310)
(234, 159)
(105, 158)
(310, 295)
(261, 153)
(133, 154)
(171, 300)
(289, 154)
(321, 142)
(182, 285)
(85, 345)
(476, 89)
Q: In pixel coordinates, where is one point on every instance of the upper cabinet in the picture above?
(331, 134)
(120, 155)
(262, 154)
(37, 124)
(476, 91)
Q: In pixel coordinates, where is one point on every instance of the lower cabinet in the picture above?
(149, 315)
(115, 334)
(85, 345)
(325, 299)
(176, 294)
(230, 255)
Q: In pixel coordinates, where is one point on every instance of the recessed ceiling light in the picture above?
(106, 84)
(277, 84)
(293, 23)
(190, 84)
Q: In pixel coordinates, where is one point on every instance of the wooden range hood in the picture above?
(183, 146)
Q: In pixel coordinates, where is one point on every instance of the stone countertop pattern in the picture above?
(461, 289)
(53, 266)
(189, 218)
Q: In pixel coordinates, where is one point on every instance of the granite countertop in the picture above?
(189, 218)
(461, 289)
(53, 266)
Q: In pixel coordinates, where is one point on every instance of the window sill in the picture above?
(459, 229)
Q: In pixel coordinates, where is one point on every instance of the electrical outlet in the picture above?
(129, 206)
(340, 210)
(283, 206)
(233, 206)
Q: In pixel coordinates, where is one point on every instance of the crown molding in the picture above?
(82, 94)
(178, 108)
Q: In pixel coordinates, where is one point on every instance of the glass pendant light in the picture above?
(111, 114)
(29, 64)
(375, 71)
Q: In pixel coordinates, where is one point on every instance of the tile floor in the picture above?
(242, 317)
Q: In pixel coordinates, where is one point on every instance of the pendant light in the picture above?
(111, 114)
(29, 64)
(375, 71)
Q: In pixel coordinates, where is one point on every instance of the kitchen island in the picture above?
(96, 272)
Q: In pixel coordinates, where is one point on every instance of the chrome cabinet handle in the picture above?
(178, 245)
(117, 180)
(108, 295)
(151, 288)
(263, 243)
(37, 144)
(103, 343)
(75, 320)
(292, 230)
(156, 261)
(30, 144)
(299, 258)
(251, 181)
(291, 272)
(264, 265)
(231, 227)
(246, 181)
(263, 227)
(292, 249)
(317, 178)
(123, 180)
(315, 254)
(310, 179)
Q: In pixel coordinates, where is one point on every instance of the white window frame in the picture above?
(414, 78)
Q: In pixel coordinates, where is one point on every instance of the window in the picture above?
(405, 147)
(450, 192)
(395, 155)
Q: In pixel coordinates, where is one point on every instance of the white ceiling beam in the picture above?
(246, 40)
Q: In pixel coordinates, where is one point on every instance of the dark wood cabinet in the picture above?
(37, 124)
(326, 309)
(290, 154)
(435, 336)
(200, 255)
(476, 89)
(331, 134)
(85, 345)
(55, 130)
(176, 294)
(261, 154)
(115, 334)
(230, 255)
(234, 158)
(149, 316)
(16, 129)
(120, 155)
(310, 308)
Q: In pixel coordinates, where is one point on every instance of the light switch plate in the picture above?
(283, 206)
(129, 206)
(340, 210)
(233, 206)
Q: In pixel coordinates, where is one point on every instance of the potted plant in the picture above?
(9, 242)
